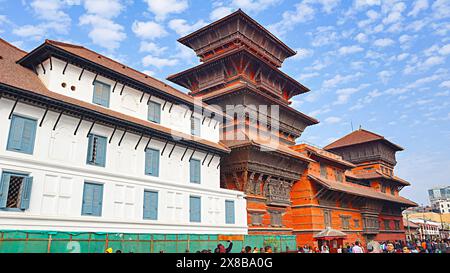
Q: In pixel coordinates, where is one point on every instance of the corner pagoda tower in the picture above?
(240, 69)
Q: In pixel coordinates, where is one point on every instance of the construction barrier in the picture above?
(89, 242)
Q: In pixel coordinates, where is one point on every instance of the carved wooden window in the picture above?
(397, 224)
(339, 175)
(345, 222)
(356, 223)
(387, 225)
(383, 188)
(323, 171)
(327, 217)
(256, 219)
(393, 190)
(276, 219)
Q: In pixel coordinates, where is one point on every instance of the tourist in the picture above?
(221, 248)
(261, 250)
(356, 248)
(324, 248)
(248, 249)
(306, 249)
(268, 249)
(340, 249)
(390, 248)
(255, 250)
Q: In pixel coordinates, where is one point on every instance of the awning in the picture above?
(330, 234)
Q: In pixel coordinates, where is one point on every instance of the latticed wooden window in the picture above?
(327, 217)
(339, 175)
(256, 219)
(356, 223)
(397, 224)
(345, 222)
(15, 190)
(323, 171)
(387, 225)
(276, 219)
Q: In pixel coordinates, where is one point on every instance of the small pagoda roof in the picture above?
(239, 14)
(324, 154)
(359, 137)
(376, 175)
(329, 234)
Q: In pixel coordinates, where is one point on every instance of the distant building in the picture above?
(440, 199)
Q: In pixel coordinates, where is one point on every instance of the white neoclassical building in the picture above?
(89, 144)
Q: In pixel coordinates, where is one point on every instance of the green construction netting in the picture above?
(78, 242)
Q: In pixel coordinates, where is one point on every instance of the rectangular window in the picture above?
(323, 171)
(22, 134)
(101, 93)
(195, 171)
(195, 209)
(229, 212)
(150, 205)
(92, 199)
(345, 222)
(387, 225)
(152, 162)
(154, 112)
(327, 218)
(276, 219)
(383, 188)
(339, 175)
(397, 224)
(96, 154)
(256, 219)
(15, 191)
(392, 190)
(195, 126)
(356, 223)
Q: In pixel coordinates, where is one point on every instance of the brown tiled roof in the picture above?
(358, 137)
(359, 190)
(376, 175)
(17, 76)
(323, 154)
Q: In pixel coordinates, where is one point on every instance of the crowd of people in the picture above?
(417, 246)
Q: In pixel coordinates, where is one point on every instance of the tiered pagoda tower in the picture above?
(240, 67)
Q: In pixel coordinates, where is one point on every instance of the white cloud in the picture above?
(445, 50)
(104, 8)
(385, 75)
(332, 120)
(303, 12)
(220, 12)
(104, 32)
(345, 94)
(419, 5)
(445, 84)
(383, 42)
(402, 56)
(148, 30)
(433, 61)
(99, 16)
(35, 32)
(361, 38)
(254, 5)
(157, 62)
(305, 76)
(302, 53)
(152, 48)
(163, 8)
(181, 26)
(441, 9)
(339, 79)
(360, 4)
(346, 50)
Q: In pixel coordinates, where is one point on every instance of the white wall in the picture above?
(58, 166)
(128, 103)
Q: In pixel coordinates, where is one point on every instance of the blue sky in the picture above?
(379, 64)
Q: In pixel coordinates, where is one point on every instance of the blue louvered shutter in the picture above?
(194, 209)
(15, 133)
(90, 149)
(22, 135)
(100, 159)
(195, 170)
(88, 193)
(150, 205)
(229, 212)
(154, 112)
(4, 188)
(97, 200)
(26, 193)
(152, 162)
(101, 94)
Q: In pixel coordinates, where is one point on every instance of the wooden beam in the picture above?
(57, 120)
(95, 78)
(142, 97)
(193, 152)
(182, 157)
(139, 141)
(204, 159)
(78, 126)
(164, 148)
(173, 148)
(51, 63)
(148, 143)
(112, 135)
(43, 117)
(43, 68)
(209, 163)
(121, 90)
(65, 67)
(120, 141)
(81, 74)
(13, 108)
(114, 88)
(90, 129)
